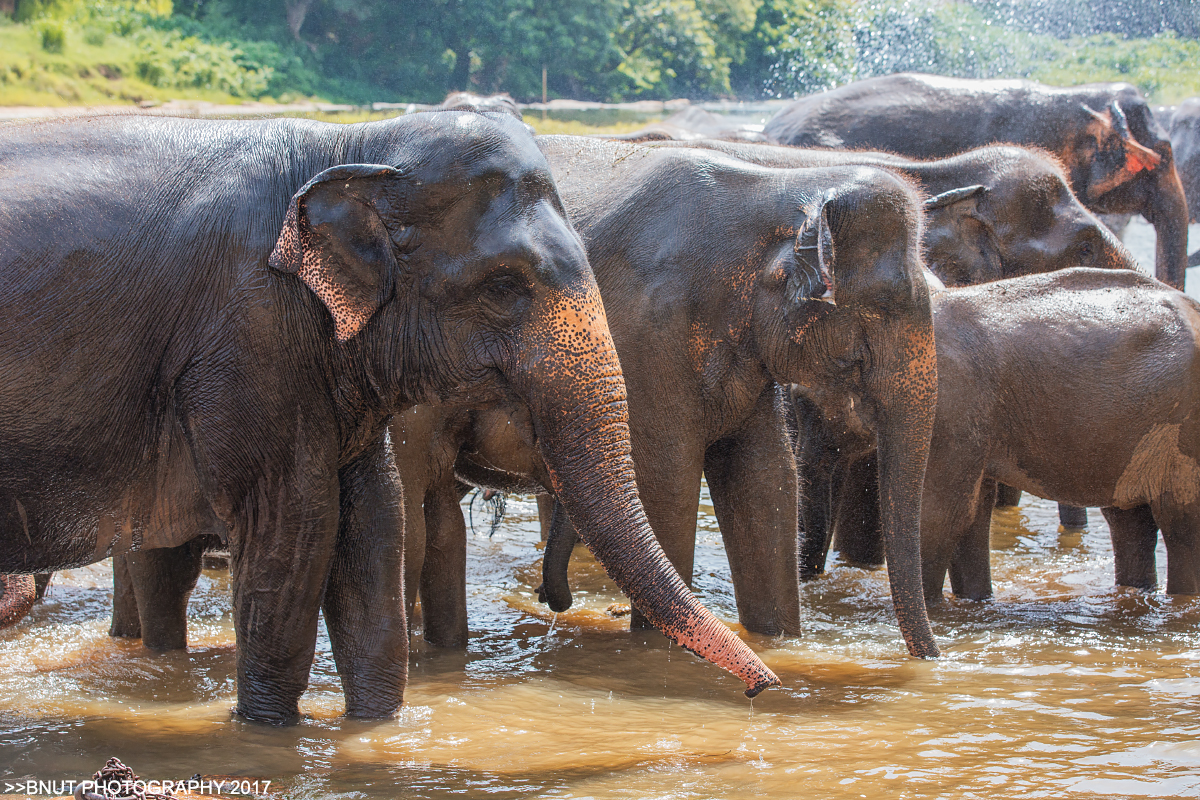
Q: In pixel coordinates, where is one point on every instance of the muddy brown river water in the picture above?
(1063, 686)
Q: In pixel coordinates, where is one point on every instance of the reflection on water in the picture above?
(1063, 686)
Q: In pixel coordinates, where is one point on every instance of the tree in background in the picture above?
(403, 50)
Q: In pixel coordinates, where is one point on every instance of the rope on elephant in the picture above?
(490, 497)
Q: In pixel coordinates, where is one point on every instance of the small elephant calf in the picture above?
(1080, 386)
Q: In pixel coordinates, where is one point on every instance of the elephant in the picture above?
(996, 212)
(993, 212)
(1116, 155)
(721, 279)
(441, 452)
(208, 324)
(18, 593)
(1183, 128)
(468, 101)
(1078, 386)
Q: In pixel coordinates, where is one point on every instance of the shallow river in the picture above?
(1063, 686)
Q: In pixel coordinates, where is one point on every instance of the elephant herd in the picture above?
(254, 334)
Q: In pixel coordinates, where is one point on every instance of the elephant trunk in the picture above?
(1168, 213)
(572, 381)
(17, 595)
(555, 590)
(903, 433)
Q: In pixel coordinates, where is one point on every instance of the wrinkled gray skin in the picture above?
(1117, 157)
(441, 452)
(729, 315)
(251, 327)
(1014, 405)
(712, 314)
(993, 212)
(996, 212)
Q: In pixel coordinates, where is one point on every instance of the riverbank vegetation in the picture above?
(68, 52)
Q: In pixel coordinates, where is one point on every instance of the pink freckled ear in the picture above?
(334, 239)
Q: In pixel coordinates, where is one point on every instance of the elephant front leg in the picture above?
(752, 479)
(126, 624)
(444, 573)
(364, 599)
(1180, 525)
(668, 479)
(281, 546)
(162, 580)
(857, 528)
(949, 514)
(1134, 538)
(971, 564)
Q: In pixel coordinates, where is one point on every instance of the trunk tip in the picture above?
(766, 682)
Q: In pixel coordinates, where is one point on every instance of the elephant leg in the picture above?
(364, 597)
(1007, 496)
(1181, 534)
(668, 479)
(1072, 516)
(555, 590)
(444, 573)
(752, 479)
(970, 566)
(948, 508)
(546, 504)
(815, 472)
(414, 542)
(1134, 539)
(857, 535)
(163, 580)
(126, 624)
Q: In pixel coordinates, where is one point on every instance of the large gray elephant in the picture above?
(1117, 157)
(716, 276)
(207, 325)
(995, 212)
(1077, 385)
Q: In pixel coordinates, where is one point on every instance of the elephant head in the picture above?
(1119, 160)
(456, 276)
(843, 309)
(1017, 217)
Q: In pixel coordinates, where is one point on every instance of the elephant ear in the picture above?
(960, 244)
(811, 276)
(1138, 157)
(335, 240)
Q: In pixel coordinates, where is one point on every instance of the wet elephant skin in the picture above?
(709, 272)
(1117, 157)
(994, 212)
(1077, 386)
(223, 321)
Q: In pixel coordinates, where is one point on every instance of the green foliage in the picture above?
(169, 59)
(405, 50)
(1164, 67)
(54, 38)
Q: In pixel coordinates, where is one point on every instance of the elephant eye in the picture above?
(504, 294)
(1085, 253)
